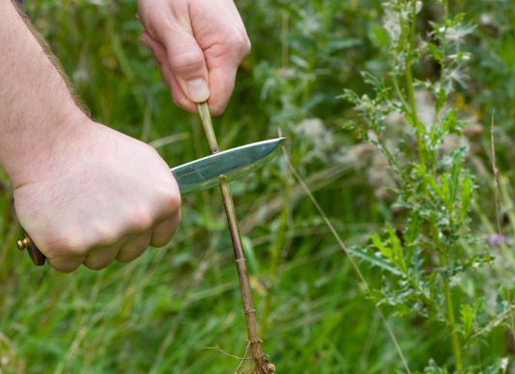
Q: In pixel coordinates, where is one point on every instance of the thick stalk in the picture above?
(262, 366)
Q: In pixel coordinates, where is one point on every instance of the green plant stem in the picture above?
(410, 87)
(262, 365)
(205, 116)
(398, 91)
(451, 320)
(455, 340)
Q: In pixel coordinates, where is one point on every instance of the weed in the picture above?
(427, 241)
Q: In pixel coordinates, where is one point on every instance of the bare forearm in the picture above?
(37, 109)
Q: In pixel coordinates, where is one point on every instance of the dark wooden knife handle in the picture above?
(35, 254)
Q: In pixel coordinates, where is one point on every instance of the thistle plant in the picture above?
(428, 246)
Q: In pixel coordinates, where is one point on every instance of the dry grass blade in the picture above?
(350, 257)
(502, 245)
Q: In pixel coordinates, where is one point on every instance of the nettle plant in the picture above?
(428, 247)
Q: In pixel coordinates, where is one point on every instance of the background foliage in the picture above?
(164, 312)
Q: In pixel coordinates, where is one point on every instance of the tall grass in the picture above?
(163, 313)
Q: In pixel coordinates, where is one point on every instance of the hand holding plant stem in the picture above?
(262, 365)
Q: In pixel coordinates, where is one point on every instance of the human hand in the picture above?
(199, 45)
(100, 196)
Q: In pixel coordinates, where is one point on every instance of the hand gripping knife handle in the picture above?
(35, 254)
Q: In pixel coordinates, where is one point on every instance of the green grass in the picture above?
(164, 312)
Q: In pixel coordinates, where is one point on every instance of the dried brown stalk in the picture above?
(262, 365)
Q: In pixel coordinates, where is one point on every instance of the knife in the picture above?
(199, 175)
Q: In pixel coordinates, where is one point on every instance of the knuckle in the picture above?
(104, 236)
(239, 41)
(141, 220)
(192, 60)
(171, 201)
(78, 248)
(62, 245)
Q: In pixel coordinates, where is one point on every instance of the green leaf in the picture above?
(379, 35)
(250, 254)
(374, 260)
(372, 80)
(432, 181)
(445, 186)
(385, 251)
(467, 320)
(397, 252)
(435, 52)
(495, 368)
(411, 234)
(457, 162)
(466, 194)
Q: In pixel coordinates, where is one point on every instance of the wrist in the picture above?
(36, 152)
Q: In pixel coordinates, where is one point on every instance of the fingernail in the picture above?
(198, 90)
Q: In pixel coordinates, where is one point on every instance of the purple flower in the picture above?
(495, 240)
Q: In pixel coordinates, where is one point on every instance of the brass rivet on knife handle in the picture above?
(35, 254)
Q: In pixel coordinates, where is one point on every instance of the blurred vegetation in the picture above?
(175, 309)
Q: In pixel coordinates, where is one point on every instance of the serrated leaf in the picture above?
(467, 320)
(385, 251)
(397, 251)
(372, 80)
(374, 260)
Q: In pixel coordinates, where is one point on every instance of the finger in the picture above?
(179, 98)
(187, 64)
(221, 81)
(163, 232)
(223, 62)
(98, 258)
(66, 264)
(160, 55)
(134, 247)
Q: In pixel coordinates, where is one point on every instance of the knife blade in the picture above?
(199, 175)
(233, 163)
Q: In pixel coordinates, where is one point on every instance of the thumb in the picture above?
(188, 65)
